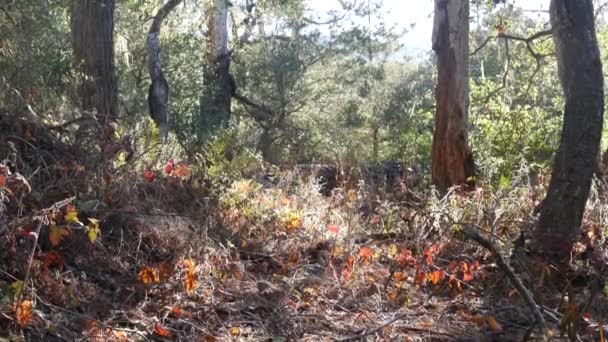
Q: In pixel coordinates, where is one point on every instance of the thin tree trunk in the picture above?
(452, 159)
(158, 94)
(580, 71)
(92, 29)
(219, 86)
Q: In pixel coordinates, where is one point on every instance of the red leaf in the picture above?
(149, 176)
(333, 229)
(428, 256)
(169, 166)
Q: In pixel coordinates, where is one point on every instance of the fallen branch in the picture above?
(472, 234)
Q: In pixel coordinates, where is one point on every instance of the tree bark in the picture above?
(219, 85)
(158, 94)
(451, 158)
(580, 72)
(92, 29)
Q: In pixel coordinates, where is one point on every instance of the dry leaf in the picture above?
(235, 331)
(148, 275)
(366, 253)
(161, 331)
(493, 324)
(23, 313)
(2, 181)
(57, 234)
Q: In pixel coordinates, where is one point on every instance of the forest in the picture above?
(295, 170)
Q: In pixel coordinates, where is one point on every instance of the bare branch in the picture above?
(472, 234)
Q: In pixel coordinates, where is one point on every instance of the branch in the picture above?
(528, 40)
(263, 113)
(472, 234)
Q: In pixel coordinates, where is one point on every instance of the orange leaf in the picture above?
(399, 276)
(181, 170)
(235, 331)
(56, 235)
(452, 266)
(2, 181)
(366, 253)
(436, 276)
(149, 275)
(493, 324)
(601, 327)
(467, 276)
(162, 332)
(23, 312)
(190, 281)
(177, 312)
(350, 261)
(464, 266)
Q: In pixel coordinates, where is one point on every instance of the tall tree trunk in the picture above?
(92, 29)
(580, 72)
(452, 160)
(158, 94)
(219, 85)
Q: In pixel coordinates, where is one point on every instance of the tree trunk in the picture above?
(452, 159)
(219, 85)
(158, 94)
(92, 29)
(580, 72)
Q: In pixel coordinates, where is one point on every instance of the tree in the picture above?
(92, 29)
(452, 161)
(580, 72)
(218, 83)
(158, 94)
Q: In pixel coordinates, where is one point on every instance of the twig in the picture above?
(472, 234)
(382, 326)
(127, 330)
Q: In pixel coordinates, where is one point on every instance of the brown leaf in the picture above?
(493, 324)
(162, 332)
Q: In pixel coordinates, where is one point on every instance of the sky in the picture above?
(403, 13)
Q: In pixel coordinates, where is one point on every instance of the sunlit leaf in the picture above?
(93, 229)
(71, 215)
(181, 170)
(161, 331)
(235, 331)
(23, 312)
(148, 275)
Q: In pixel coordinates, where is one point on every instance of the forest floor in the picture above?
(87, 255)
